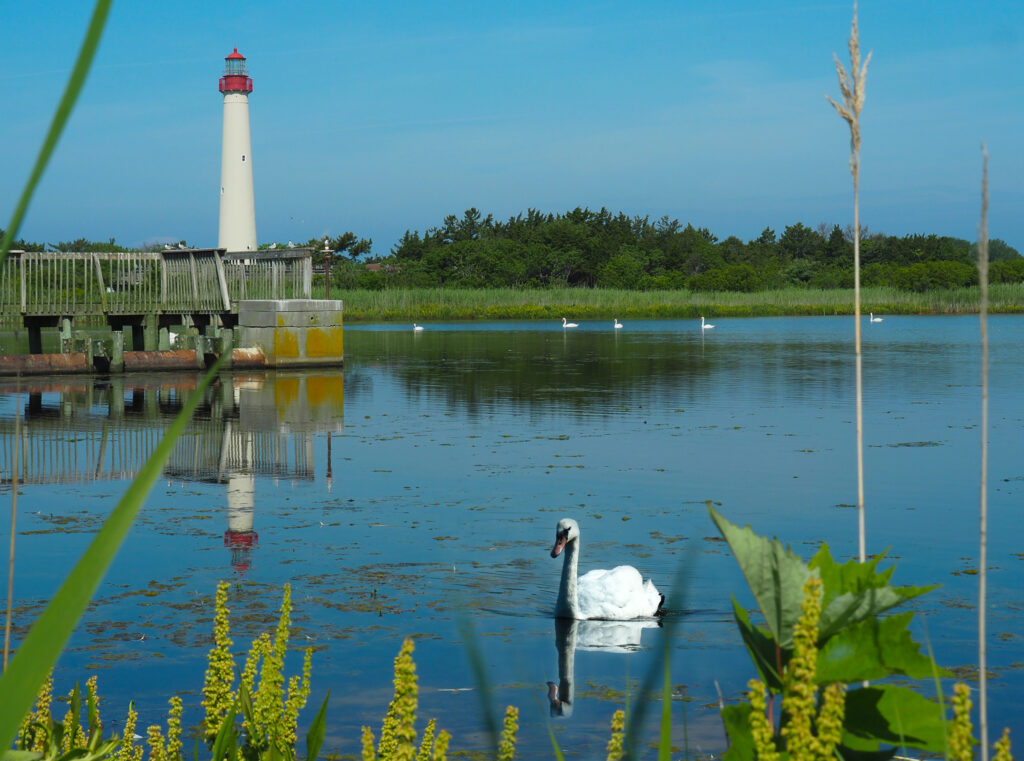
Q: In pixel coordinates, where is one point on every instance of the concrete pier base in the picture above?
(292, 332)
(270, 334)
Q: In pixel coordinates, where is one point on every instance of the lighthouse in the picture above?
(237, 230)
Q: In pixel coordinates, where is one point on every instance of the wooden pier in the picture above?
(140, 297)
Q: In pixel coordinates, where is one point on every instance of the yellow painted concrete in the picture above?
(324, 342)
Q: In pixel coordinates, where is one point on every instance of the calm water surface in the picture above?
(417, 491)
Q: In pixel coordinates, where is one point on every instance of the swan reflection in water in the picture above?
(601, 636)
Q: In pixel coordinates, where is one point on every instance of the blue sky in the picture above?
(378, 117)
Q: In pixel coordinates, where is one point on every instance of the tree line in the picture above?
(589, 248)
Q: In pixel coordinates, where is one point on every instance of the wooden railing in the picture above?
(189, 281)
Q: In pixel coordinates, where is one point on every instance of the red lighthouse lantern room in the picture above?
(236, 78)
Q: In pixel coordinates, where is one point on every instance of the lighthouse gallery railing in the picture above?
(35, 284)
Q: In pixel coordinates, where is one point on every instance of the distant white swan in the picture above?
(705, 325)
(569, 324)
(872, 318)
(620, 594)
(417, 327)
(617, 324)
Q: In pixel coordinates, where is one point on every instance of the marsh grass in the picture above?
(425, 305)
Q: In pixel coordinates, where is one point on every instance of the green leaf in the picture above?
(559, 756)
(248, 711)
(847, 753)
(761, 647)
(38, 652)
(776, 576)
(896, 715)
(75, 709)
(60, 118)
(874, 649)
(227, 739)
(20, 755)
(855, 591)
(665, 733)
(737, 726)
(92, 711)
(315, 735)
(851, 608)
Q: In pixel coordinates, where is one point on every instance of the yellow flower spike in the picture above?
(174, 746)
(155, 740)
(1003, 747)
(760, 729)
(507, 746)
(960, 728)
(218, 696)
(368, 753)
(427, 742)
(830, 720)
(618, 733)
(441, 746)
(126, 750)
(800, 689)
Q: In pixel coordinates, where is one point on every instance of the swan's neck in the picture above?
(568, 605)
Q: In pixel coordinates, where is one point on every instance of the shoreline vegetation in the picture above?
(434, 304)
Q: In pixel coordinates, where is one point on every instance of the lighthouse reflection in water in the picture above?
(244, 429)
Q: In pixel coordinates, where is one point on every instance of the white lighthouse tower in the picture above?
(237, 205)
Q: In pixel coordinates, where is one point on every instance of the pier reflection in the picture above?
(104, 429)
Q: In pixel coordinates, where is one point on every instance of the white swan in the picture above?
(620, 594)
(872, 318)
(569, 324)
(417, 327)
(705, 325)
(616, 324)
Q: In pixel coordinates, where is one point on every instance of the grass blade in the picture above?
(315, 736)
(675, 603)
(476, 664)
(665, 735)
(39, 651)
(60, 118)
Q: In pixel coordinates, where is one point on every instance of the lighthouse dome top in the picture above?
(236, 78)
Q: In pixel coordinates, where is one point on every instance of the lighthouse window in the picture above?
(243, 158)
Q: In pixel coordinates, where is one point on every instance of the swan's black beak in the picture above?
(560, 539)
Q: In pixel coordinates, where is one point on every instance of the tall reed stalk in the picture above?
(983, 492)
(851, 84)
(14, 517)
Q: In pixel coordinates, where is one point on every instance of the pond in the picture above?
(416, 493)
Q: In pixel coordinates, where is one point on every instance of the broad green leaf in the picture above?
(20, 755)
(853, 607)
(315, 736)
(851, 750)
(776, 576)
(873, 649)
(896, 715)
(851, 576)
(761, 647)
(39, 650)
(736, 719)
